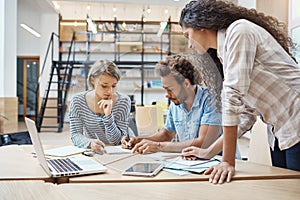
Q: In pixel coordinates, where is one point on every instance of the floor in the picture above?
(63, 138)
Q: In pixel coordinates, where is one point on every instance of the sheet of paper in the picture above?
(162, 156)
(200, 168)
(181, 161)
(177, 172)
(116, 150)
(64, 151)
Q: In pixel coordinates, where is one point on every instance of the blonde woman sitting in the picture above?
(101, 115)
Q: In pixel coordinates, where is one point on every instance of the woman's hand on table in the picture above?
(220, 173)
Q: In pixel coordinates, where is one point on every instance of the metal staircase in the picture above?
(59, 83)
(57, 88)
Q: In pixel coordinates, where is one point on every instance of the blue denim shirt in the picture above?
(185, 123)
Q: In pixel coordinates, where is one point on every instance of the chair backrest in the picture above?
(146, 120)
(132, 125)
(259, 150)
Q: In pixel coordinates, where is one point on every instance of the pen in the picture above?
(127, 139)
(102, 149)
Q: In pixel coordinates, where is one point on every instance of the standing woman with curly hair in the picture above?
(260, 76)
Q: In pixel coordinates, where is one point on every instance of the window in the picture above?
(294, 26)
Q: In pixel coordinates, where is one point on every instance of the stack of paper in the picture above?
(193, 166)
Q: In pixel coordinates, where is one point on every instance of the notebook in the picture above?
(70, 166)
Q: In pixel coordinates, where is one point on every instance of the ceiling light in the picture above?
(73, 23)
(148, 10)
(30, 30)
(56, 5)
(91, 25)
(124, 24)
(163, 25)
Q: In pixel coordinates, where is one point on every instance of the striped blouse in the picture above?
(85, 125)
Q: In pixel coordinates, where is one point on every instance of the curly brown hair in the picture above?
(217, 15)
(179, 67)
(202, 70)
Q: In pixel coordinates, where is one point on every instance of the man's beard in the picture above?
(182, 96)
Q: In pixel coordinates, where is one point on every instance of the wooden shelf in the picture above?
(129, 43)
(136, 47)
(112, 52)
(151, 89)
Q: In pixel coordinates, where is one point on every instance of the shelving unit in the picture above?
(133, 45)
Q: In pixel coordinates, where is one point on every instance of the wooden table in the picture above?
(30, 190)
(244, 170)
(277, 189)
(17, 163)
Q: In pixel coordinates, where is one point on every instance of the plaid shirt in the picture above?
(260, 77)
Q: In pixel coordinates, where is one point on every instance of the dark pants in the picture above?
(288, 158)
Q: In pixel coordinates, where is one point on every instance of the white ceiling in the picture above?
(47, 5)
(102, 9)
(146, 2)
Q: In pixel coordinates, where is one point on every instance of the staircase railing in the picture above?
(50, 47)
(63, 83)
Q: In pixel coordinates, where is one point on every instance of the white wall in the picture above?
(49, 24)
(275, 8)
(29, 45)
(8, 34)
(247, 3)
(2, 9)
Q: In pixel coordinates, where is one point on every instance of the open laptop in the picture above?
(71, 166)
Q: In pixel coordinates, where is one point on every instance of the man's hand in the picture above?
(128, 143)
(146, 146)
(221, 172)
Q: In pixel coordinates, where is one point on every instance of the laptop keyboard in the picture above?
(64, 165)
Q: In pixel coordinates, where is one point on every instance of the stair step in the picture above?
(53, 117)
(49, 126)
(60, 82)
(51, 107)
(55, 90)
(60, 75)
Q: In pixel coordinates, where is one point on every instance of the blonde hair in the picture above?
(101, 67)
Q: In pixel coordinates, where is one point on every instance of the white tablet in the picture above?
(143, 169)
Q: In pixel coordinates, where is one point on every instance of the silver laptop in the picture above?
(71, 166)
